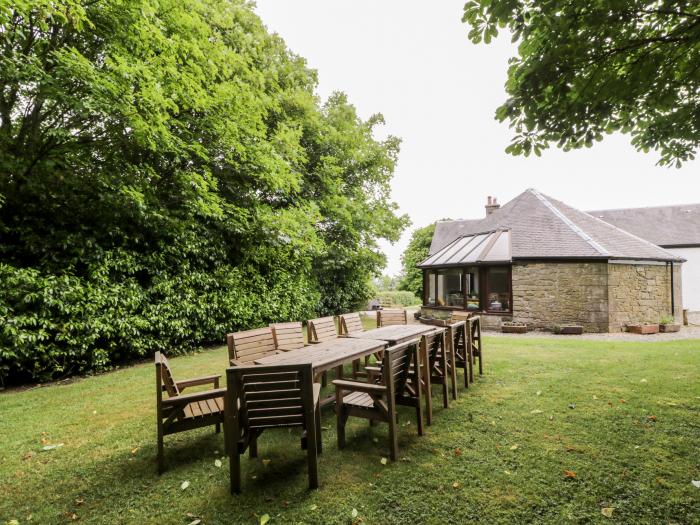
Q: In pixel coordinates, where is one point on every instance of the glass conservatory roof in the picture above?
(487, 247)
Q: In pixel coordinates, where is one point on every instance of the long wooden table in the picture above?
(327, 355)
(394, 334)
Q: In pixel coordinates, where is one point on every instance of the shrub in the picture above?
(398, 298)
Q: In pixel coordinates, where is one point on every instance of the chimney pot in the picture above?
(491, 205)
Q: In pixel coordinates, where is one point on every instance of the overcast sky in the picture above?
(438, 93)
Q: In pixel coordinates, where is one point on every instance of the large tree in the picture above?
(587, 68)
(416, 251)
(167, 174)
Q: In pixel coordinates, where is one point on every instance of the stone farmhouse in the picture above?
(539, 261)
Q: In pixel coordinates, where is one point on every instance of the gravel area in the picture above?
(687, 332)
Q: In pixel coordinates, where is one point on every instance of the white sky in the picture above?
(438, 92)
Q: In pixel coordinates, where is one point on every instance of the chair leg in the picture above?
(393, 438)
(481, 366)
(312, 454)
(160, 458)
(319, 441)
(235, 468)
(253, 446)
(342, 419)
(218, 428)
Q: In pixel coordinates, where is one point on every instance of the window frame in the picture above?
(483, 272)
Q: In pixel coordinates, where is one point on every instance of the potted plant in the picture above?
(567, 329)
(513, 327)
(645, 328)
(668, 324)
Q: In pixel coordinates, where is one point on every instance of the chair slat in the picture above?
(321, 329)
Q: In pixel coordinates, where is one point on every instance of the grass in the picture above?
(624, 417)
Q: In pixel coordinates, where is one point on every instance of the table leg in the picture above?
(424, 369)
(453, 365)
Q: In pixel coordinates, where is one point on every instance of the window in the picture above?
(449, 288)
(472, 286)
(497, 289)
(476, 288)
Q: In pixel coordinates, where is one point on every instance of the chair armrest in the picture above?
(373, 370)
(357, 386)
(196, 381)
(184, 399)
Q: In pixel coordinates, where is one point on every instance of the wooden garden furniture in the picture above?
(434, 357)
(321, 329)
(262, 397)
(474, 330)
(460, 348)
(394, 334)
(350, 323)
(288, 336)
(327, 355)
(246, 347)
(378, 401)
(389, 317)
(180, 412)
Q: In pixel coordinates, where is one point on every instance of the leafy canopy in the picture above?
(168, 175)
(586, 69)
(416, 251)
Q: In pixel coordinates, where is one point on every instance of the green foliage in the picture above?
(168, 176)
(586, 69)
(398, 298)
(416, 251)
(387, 283)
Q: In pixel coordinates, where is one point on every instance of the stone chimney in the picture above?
(491, 205)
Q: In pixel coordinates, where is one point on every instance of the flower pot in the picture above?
(667, 328)
(571, 329)
(644, 329)
(507, 329)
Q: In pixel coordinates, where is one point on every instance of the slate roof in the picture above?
(542, 228)
(665, 226)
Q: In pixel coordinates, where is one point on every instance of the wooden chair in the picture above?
(378, 401)
(434, 348)
(246, 347)
(459, 337)
(351, 323)
(476, 346)
(288, 336)
(459, 315)
(321, 329)
(390, 317)
(261, 397)
(180, 412)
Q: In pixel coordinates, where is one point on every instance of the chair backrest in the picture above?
(321, 329)
(350, 323)
(288, 336)
(390, 317)
(247, 346)
(433, 342)
(164, 376)
(458, 334)
(269, 396)
(396, 363)
(460, 315)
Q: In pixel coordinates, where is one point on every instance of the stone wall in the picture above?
(641, 293)
(551, 293)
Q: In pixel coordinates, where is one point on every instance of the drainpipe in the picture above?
(673, 298)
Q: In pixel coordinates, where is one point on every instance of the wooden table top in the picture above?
(326, 355)
(394, 334)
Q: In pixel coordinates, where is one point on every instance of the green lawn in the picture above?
(624, 417)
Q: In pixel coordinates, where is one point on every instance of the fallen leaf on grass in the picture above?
(375, 440)
(184, 485)
(539, 392)
(354, 513)
(313, 507)
(695, 483)
(455, 485)
(13, 522)
(507, 472)
(382, 461)
(622, 401)
(46, 448)
(134, 450)
(536, 411)
(79, 501)
(266, 462)
(264, 519)
(595, 397)
(191, 515)
(458, 451)
(514, 447)
(572, 406)
(651, 418)
(195, 522)
(217, 463)
(569, 474)
(607, 511)
(643, 381)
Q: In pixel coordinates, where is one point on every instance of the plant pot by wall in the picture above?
(667, 328)
(571, 329)
(644, 329)
(506, 329)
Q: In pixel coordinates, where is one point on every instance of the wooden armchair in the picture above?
(321, 329)
(388, 317)
(261, 397)
(288, 336)
(434, 350)
(350, 323)
(461, 352)
(378, 401)
(476, 345)
(180, 412)
(246, 347)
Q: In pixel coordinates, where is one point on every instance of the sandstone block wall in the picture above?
(641, 293)
(545, 294)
